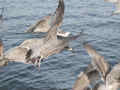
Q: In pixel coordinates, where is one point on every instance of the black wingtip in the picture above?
(59, 14)
(61, 4)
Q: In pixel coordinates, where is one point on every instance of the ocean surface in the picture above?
(58, 72)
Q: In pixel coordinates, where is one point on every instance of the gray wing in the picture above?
(42, 25)
(52, 32)
(59, 13)
(97, 61)
(89, 76)
(49, 48)
(29, 43)
(113, 78)
(17, 54)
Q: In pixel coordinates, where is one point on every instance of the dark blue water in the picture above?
(60, 71)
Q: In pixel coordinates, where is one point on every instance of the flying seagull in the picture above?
(50, 44)
(21, 53)
(110, 76)
(117, 4)
(32, 51)
(44, 24)
(56, 21)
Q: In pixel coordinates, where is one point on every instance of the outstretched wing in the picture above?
(97, 61)
(52, 32)
(42, 24)
(59, 13)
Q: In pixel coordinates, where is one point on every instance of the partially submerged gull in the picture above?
(110, 77)
(44, 24)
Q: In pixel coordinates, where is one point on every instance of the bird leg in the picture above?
(38, 62)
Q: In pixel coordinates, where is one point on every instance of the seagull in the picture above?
(43, 24)
(110, 76)
(117, 4)
(56, 21)
(20, 53)
(32, 51)
(51, 43)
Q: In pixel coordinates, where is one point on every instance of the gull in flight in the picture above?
(99, 72)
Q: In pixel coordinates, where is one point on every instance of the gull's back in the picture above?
(29, 43)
